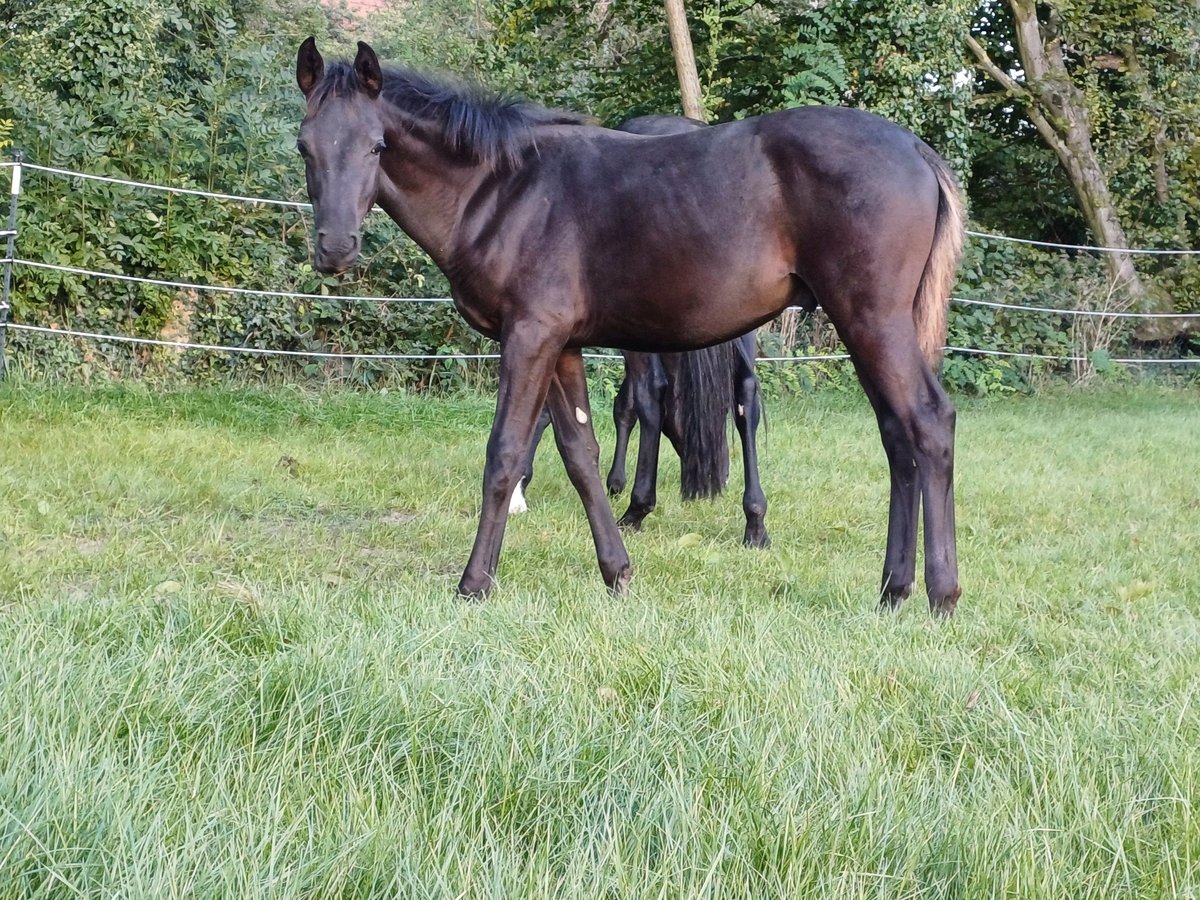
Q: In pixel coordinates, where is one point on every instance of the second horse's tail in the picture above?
(705, 398)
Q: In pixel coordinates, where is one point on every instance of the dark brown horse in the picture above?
(688, 397)
(556, 235)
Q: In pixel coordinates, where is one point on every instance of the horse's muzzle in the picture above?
(336, 253)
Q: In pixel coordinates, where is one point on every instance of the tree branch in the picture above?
(999, 75)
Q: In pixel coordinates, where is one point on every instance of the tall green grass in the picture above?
(234, 665)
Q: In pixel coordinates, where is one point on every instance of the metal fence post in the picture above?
(11, 235)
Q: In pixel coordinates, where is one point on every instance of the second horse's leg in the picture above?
(747, 413)
(624, 417)
(649, 388)
(517, 503)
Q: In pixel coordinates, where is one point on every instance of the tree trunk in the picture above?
(1058, 109)
(685, 60)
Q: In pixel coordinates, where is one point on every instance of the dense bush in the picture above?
(185, 95)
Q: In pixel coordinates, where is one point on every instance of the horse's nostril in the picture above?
(338, 245)
(336, 252)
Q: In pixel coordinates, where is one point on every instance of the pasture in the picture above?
(235, 666)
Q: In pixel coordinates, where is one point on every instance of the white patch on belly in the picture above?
(580, 416)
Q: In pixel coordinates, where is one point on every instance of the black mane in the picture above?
(473, 123)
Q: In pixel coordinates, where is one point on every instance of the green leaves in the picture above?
(179, 93)
(822, 76)
(191, 93)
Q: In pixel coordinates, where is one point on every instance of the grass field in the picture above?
(234, 666)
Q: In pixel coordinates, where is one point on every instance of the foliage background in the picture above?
(199, 93)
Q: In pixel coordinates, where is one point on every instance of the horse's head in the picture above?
(341, 139)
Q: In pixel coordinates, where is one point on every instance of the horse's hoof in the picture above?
(943, 607)
(758, 541)
(630, 523)
(615, 486)
(472, 590)
(891, 599)
(620, 584)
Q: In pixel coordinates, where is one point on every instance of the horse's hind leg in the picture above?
(916, 424)
(580, 452)
(747, 413)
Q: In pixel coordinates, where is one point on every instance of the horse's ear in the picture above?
(368, 70)
(309, 66)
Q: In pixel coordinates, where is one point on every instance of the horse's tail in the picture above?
(705, 398)
(932, 303)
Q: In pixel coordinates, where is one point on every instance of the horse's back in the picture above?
(834, 161)
(812, 168)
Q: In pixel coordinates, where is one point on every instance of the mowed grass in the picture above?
(234, 664)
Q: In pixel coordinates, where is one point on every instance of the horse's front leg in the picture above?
(568, 402)
(527, 359)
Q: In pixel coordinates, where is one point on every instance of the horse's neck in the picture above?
(424, 190)
(427, 216)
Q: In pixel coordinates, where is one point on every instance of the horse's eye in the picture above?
(301, 148)
(379, 148)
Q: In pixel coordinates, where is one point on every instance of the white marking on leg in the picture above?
(517, 503)
(580, 416)
(741, 410)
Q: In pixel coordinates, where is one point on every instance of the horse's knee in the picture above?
(648, 398)
(746, 387)
(939, 410)
(508, 458)
(624, 411)
(591, 452)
